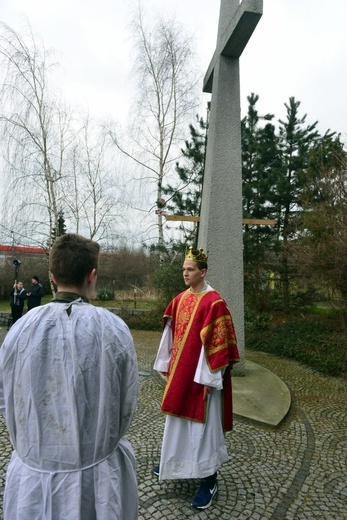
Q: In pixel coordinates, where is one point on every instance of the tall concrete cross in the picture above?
(220, 228)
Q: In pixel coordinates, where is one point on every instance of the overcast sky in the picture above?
(299, 49)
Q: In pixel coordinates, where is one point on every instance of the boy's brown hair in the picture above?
(72, 258)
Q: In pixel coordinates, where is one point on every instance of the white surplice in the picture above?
(68, 390)
(191, 449)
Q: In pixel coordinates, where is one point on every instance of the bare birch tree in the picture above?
(55, 163)
(36, 131)
(93, 189)
(166, 85)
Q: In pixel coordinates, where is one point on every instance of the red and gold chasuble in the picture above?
(199, 319)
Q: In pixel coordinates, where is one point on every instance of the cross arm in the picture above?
(235, 38)
(251, 221)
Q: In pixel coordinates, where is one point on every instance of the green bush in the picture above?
(266, 300)
(105, 294)
(256, 320)
(168, 281)
(314, 340)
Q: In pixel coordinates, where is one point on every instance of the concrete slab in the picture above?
(260, 396)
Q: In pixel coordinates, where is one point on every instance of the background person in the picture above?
(18, 295)
(35, 293)
(197, 350)
(68, 390)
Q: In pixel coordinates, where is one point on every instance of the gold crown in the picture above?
(195, 255)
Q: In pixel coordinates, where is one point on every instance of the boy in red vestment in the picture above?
(196, 353)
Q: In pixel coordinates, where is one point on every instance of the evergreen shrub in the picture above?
(105, 294)
(168, 281)
(312, 339)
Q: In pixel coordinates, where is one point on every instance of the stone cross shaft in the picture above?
(220, 228)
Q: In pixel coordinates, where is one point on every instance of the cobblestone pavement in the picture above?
(297, 471)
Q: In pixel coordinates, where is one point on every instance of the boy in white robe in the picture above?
(68, 390)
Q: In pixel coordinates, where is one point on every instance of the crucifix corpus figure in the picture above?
(220, 229)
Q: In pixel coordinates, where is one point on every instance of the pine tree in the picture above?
(260, 159)
(295, 143)
(185, 197)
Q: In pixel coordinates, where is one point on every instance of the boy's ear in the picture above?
(53, 278)
(91, 276)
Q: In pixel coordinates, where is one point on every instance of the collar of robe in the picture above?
(68, 297)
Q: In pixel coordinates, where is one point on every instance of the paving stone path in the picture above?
(294, 472)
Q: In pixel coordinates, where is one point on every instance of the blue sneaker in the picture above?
(156, 470)
(207, 490)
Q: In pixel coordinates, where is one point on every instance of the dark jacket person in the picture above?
(35, 293)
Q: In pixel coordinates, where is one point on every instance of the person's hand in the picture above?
(28, 293)
(207, 391)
